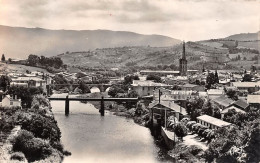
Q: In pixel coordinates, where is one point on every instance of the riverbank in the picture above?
(31, 135)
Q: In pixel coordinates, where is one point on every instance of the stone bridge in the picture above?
(72, 87)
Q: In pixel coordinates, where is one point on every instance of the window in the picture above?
(11, 103)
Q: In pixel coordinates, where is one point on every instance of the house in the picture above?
(254, 101)
(223, 112)
(241, 104)
(146, 88)
(29, 82)
(159, 108)
(223, 102)
(212, 122)
(247, 86)
(8, 101)
(192, 87)
(214, 93)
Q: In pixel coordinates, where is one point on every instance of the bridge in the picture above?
(69, 98)
(72, 87)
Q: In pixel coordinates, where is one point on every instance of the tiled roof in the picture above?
(232, 107)
(224, 101)
(241, 103)
(171, 105)
(213, 121)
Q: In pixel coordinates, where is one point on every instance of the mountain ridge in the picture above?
(19, 42)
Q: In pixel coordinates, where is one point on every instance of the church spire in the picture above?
(183, 51)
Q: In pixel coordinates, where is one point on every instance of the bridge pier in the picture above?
(67, 105)
(102, 107)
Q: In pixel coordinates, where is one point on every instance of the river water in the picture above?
(92, 138)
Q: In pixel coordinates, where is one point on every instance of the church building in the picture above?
(183, 63)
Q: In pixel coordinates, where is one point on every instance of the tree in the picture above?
(33, 60)
(114, 90)
(132, 94)
(83, 87)
(207, 108)
(210, 80)
(180, 130)
(26, 94)
(232, 94)
(129, 79)
(4, 82)
(3, 58)
(216, 77)
(155, 78)
(247, 78)
(194, 107)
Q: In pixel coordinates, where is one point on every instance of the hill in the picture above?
(245, 37)
(18, 42)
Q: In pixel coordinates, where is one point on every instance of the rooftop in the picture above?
(246, 84)
(215, 92)
(27, 79)
(147, 83)
(224, 101)
(232, 107)
(171, 105)
(253, 99)
(241, 103)
(213, 121)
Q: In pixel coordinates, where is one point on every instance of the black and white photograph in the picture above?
(129, 81)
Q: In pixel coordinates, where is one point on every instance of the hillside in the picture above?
(18, 42)
(245, 36)
(145, 56)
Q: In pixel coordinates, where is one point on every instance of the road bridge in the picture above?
(69, 98)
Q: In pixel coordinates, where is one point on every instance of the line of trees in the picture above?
(34, 60)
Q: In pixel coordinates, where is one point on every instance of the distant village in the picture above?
(174, 95)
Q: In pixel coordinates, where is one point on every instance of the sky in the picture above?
(189, 20)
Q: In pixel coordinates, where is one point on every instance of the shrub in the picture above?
(201, 130)
(18, 156)
(36, 148)
(194, 150)
(42, 127)
(190, 124)
(196, 127)
(33, 148)
(19, 141)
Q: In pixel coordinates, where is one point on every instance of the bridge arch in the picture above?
(94, 89)
(108, 88)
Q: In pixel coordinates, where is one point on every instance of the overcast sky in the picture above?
(182, 19)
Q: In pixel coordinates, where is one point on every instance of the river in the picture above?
(92, 138)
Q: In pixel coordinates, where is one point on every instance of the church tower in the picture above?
(183, 63)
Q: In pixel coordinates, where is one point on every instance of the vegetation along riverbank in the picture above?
(30, 134)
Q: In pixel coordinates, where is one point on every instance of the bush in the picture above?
(201, 130)
(42, 127)
(190, 124)
(22, 137)
(195, 150)
(196, 127)
(36, 149)
(33, 148)
(18, 156)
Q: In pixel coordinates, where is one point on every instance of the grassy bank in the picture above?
(32, 134)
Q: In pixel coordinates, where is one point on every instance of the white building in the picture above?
(146, 88)
(8, 101)
(29, 82)
(212, 122)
